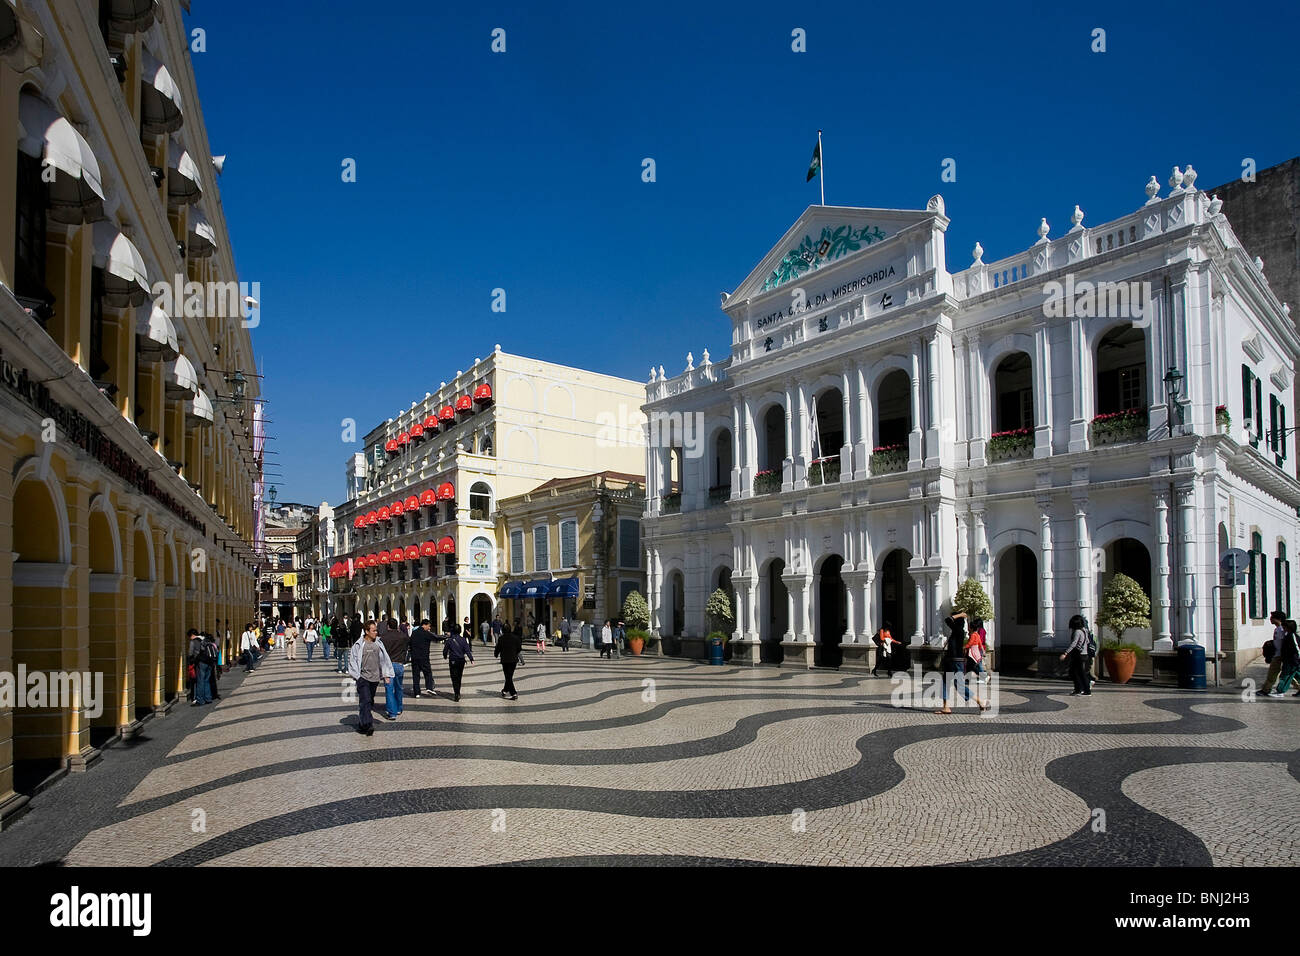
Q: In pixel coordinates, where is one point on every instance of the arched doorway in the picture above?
(773, 451)
(898, 595)
(676, 604)
(894, 411)
(774, 613)
(480, 610)
(1122, 371)
(1013, 394)
(450, 617)
(1018, 607)
(1130, 557)
(832, 613)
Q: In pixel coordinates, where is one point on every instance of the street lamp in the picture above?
(1173, 385)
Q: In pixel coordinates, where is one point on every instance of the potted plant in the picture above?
(888, 458)
(766, 482)
(1123, 606)
(1222, 419)
(722, 620)
(1015, 443)
(636, 615)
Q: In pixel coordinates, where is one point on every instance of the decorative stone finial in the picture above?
(1286, 310)
(936, 205)
(1043, 230)
(1259, 263)
(690, 361)
(978, 253)
(663, 376)
(653, 377)
(1153, 187)
(1176, 179)
(1076, 217)
(496, 348)
(1189, 178)
(706, 357)
(1216, 204)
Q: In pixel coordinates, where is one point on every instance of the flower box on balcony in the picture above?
(719, 493)
(1222, 419)
(824, 471)
(672, 504)
(766, 482)
(1016, 443)
(1113, 428)
(888, 458)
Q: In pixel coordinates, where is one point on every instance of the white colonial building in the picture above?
(885, 428)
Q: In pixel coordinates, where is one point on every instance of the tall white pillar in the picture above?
(914, 438)
(863, 430)
(1162, 625)
(1187, 529)
(1047, 624)
(1083, 550)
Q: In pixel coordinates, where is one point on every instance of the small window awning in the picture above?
(132, 16)
(384, 557)
(412, 503)
(447, 546)
(184, 186)
(384, 513)
(428, 549)
(125, 281)
(359, 521)
(155, 335)
(428, 497)
(202, 240)
(431, 421)
(417, 431)
(446, 491)
(464, 404)
(412, 552)
(199, 408)
(564, 588)
(447, 415)
(404, 438)
(160, 97)
(391, 445)
(512, 589)
(397, 508)
(483, 393)
(77, 193)
(179, 377)
(372, 517)
(535, 589)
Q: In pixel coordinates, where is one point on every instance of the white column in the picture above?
(1081, 387)
(738, 449)
(787, 465)
(933, 405)
(918, 636)
(846, 450)
(1046, 634)
(804, 436)
(863, 431)
(850, 614)
(980, 420)
(1083, 552)
(914, 438)
(1162, 625)
(1187, 597)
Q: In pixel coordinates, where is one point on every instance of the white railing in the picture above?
(708, 373)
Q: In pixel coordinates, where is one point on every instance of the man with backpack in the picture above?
(200, 667)
(1272, 656)
(1077, 655)
(214, 665)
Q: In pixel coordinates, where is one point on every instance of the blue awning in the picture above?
(536, 589)
(565, 588)
(511, 590)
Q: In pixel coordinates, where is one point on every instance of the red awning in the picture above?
(446, 491)
(447, 546)
(428, 548)
(417, 430)
(404, 438)
(385, 514)
(412, 502)
(383, 557)
(483, 393)
(372, 517)
(359, 521)
(464, 404)
(412, 552)
(448, 414)
(370, 560)
(390, 445)
(431, 421)
(396, 508)
(428, 497)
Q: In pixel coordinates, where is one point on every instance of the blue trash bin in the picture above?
(1191, 666)
(715, 651)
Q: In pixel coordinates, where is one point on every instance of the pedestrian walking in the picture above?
(201, 666)
(398, 646)
(1273, 652)
(607, 640)
(309, 637)
(368, 664)
(541, 638)
(1290, 654)
(421, 641)
(620, 637)
(509, 648)
(497, 627)
(289, 635)
(890, 651)
(456, 649)
(484, 630)
(566, 629)
(976, 648)
(326, 635)
(1077, 655)
(955, 661)
(214, 667)
(248, 650)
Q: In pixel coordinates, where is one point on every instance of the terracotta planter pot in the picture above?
(1120, 664)
(635, 644)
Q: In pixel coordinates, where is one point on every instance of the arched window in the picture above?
(480, 501)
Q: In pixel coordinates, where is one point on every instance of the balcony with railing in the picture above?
(767, 482)
(718, 495)
(886, 459)
(1012, 444)
(1117, 428)
(824, 471)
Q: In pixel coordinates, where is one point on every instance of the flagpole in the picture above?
(823, 166)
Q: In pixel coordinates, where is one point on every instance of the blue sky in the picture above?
(522, 170)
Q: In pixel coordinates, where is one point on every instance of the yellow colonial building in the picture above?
(422, 539)
(126, 460)
(572, 549)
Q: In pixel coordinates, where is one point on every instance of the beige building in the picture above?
(423, 532)
(572, 548)
(126, 460)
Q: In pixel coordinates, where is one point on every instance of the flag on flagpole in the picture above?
(815, 166)
(816, 433)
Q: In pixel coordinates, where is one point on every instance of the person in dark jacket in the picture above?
(954, 660)
(509, 646)
(1290, 654)
(421, 640)
(1077, 655)
(398, 646)
(455, 650)
(214, 660)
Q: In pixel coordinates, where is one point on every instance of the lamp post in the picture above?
(1173, 385)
